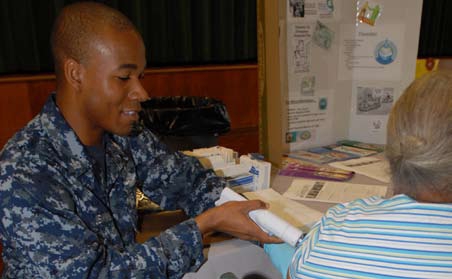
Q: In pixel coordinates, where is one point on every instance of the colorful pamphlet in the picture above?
(297, 168)
(311, 157)
(355, 150)
(363, 145)
(333, 154)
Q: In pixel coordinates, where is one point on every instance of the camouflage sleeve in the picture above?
(47, 239)
(174, 180)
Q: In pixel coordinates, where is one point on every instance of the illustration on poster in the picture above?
(304, 135)
(330, 5)
(290, 137)
(374, 100)
(368, 14)
(308, 86)
(323, 36)
(301, 56)
(297, 8)
(376, 124)
(295, 136)
(385, 52)
(299, 50)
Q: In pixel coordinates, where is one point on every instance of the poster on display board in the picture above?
(371, 52)
(310, 120)
(312, 10)
(355, 54)
(310, 96)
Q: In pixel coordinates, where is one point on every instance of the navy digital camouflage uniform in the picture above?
(59, 220)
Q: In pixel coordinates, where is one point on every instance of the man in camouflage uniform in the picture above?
(68, 179)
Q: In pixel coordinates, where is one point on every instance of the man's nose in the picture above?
(138, 92)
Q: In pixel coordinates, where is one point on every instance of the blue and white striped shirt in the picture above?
(378, 238)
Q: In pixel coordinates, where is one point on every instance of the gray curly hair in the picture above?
(419, 141)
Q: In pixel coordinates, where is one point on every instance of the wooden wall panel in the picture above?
(15, 109)
(38, 94)
(237, 88)
(22, 98)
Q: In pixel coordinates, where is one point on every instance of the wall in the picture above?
(21, 98)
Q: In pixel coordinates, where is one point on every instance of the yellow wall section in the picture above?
(423, 66)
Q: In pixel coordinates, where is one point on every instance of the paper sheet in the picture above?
(333, 192)
(310, 120)
(372, 167)
(371, 52)
(299, 215)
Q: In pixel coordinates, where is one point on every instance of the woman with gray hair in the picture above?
(408, 235)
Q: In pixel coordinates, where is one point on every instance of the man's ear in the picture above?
(73, 73)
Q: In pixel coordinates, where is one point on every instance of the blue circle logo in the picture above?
(385, 52)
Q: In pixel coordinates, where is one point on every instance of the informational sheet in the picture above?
(310, 99)
(373, 167)
(312, 9)
(310, 120)
(296, 214)
(371, 52)
(299, 52)
(305, 41)
(334, 192)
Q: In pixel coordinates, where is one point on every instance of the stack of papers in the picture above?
(297, 168)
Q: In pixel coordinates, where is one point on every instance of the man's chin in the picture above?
(136, 129)
(133, 129)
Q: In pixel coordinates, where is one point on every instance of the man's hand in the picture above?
(232, 218)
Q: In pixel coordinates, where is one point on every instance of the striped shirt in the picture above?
(378, 238)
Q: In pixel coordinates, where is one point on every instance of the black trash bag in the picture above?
(186, 123)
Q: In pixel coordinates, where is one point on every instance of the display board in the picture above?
(343, 65)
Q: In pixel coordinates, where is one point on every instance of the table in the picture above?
(243, 258)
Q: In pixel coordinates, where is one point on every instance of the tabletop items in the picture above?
(311, 163)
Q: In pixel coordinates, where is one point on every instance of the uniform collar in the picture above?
(67, 145)
(72, 153)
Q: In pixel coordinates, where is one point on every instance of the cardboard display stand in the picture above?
(342, 66)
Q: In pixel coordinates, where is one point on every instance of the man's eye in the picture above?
(124, 78)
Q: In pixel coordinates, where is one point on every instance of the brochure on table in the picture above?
(347, 63)
(331, 192)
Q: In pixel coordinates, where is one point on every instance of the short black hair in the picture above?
(78, 24)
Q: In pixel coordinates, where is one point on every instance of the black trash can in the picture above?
(186, 123)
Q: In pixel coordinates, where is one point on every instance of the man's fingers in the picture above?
(255, 204)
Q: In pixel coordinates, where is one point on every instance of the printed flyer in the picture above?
(371, 52)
